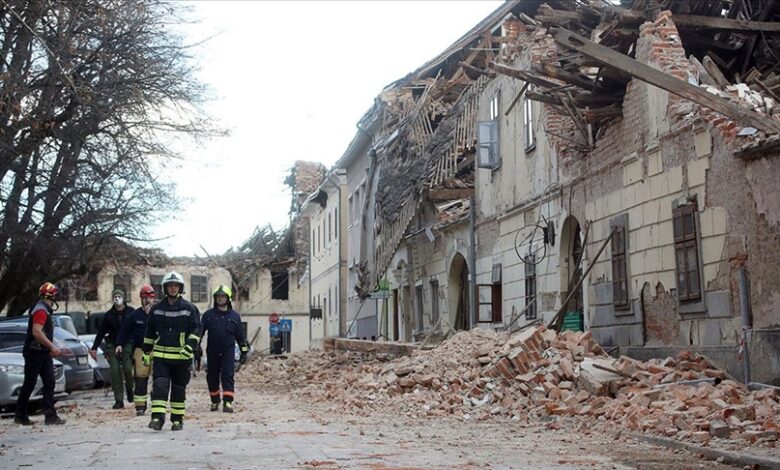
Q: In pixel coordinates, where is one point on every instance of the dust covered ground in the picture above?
(271, 430)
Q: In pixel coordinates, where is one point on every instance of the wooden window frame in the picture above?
(496, 296)
(419, 296)
(199, 291)
(686, 245)
(530, 288)
(528, 124)
(621, 294)
(434, 301)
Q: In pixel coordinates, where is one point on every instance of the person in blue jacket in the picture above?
(223, 325)
(132, 333)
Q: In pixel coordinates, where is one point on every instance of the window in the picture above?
(528, 124)
(313, 240)
(487, 135)
(336, 223)
(620, 296)
(434, 302)
(330, 227)
(351, 210)
(418, 320)
(357, 205)
(530, 288)
(336, 301)
(280, 285)
(490, 298)
(686, 251)
(199, 290)
(86, 287)
(319, 239)
(123, 283)
(156, 281)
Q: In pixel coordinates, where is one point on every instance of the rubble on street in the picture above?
(480, 374)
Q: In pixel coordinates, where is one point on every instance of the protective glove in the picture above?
(146, 360)
(242, 359)
(186, 352)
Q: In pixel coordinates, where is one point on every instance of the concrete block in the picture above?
(665, 232)
(659, 185)
(614, 203)
(668, 260)
(651, 212)
(665, 204)
(603, 293)
(636, 263)
(603, 315)
(675, 179)
(622, 335)
(710, 332)
(635, 219)
(685, 331)
(590, 210)
(710, 272)
(705, 221)
(703, 143)
(667, 279)
(644, 239)
(655, 163)
(643, 192)
(712, 249)
(632, 172)
(627, 198)
(652, 260)
(697, 172)
(636, 335)
(632, 240)
(719, 220)
(719, 304)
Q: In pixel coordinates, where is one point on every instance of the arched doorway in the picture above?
(571, 271)
(458, 293)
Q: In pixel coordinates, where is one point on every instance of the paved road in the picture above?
(268, 431)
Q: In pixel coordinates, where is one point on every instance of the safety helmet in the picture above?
(48, 291)
(223, 289)
(147, 292)
(173, 276)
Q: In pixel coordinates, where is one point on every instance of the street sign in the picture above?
(380, 295)
(285, 326)
(273, 329)
(273, 318)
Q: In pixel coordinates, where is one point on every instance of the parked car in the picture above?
(74, 354)
(12, 378)
(62, 320)
(99, 366)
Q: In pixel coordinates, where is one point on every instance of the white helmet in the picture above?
(173, 276)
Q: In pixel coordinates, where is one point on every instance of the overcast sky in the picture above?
(290, 81)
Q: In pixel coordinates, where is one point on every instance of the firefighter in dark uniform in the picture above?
(172, 335)
(132, 332)
(223, 325)
(38, 351)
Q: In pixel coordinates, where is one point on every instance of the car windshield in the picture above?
(66, 323)
(61, 334)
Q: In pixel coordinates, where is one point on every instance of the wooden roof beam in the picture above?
(664, 81)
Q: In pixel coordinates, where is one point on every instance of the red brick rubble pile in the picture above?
(479, 374)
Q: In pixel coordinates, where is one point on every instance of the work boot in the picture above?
(54, 419)
(118, 405)
(227, 407)
(23, 420)
(177, 425)
(130, 396)
(156, 424)
(214, 407)
(139, 411)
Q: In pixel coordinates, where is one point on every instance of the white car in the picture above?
(12, 378)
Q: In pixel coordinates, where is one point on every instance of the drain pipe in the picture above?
(744, 303)
(473, 255)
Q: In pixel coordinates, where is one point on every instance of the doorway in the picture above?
(458, 293)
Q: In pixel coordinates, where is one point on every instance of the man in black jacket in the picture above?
(38, 350)
(172, 335)
(121, 365)
(132, 333)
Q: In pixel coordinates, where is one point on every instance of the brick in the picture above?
(719, 428)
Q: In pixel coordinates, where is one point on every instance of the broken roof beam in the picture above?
(522, 75)
(664, 81)
(449, 194)
(725, 24)
(565, 76)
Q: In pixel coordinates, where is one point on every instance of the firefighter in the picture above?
(172, 335)
(132, 333)
(121, 365)
(39, 348)
(223, 325)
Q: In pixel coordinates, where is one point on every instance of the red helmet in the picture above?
(147, 292)
(48, 291)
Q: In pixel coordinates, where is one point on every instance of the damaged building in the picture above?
(607, 166)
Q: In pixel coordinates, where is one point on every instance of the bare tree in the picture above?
(92, 92)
